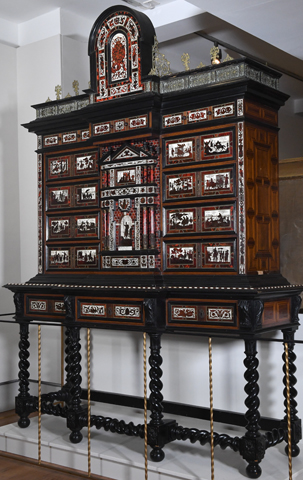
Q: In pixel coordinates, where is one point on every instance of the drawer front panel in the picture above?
(199, 184)
(214, 145)
(72, 165)
(85, 257)
(110, 311)
(213, 256)
(45, 305)
(67, 227)
(73, 196)
(201, 314)
(196, 220)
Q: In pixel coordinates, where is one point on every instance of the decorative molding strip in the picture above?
(212, 76)
(241, 197)
(121, 124)
(240, 107)
(144, 161)
(159, 288)
(61, 107)
(117, 192)
(40, 214)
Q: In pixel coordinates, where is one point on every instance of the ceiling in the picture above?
(267, 30)
(277, 22)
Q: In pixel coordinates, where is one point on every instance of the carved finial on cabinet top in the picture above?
(201, 65)
(215, 54)
(76, 87)
(227, 58)
(185, 58)
(58, 90)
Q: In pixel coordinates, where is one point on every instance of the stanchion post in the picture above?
(145, 407)
(288, 410)
(39, 394)
(211, 408)
(88, 404)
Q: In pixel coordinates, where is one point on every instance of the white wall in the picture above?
(290, 123)
(74, 65)
(39, 71)
(9, 216)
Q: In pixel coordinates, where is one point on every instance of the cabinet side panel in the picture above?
(261, 157)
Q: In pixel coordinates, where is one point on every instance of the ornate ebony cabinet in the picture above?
(158, 211)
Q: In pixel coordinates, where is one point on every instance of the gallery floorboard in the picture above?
(13, 467)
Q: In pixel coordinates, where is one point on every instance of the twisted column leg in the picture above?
(67, 355)
(23, 375)
(252, 446)
(296, 434)
(74, 380)
(156, 397)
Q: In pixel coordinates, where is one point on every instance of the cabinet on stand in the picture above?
(158, 212)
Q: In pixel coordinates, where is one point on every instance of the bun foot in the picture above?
(76, 437)
(295, 450)
(157, 454)
(253, 470)
(24, 422)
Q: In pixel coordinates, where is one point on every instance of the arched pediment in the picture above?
(120, 50)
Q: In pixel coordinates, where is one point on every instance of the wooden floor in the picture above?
(14, 467)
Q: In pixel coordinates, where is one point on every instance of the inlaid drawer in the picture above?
(51, 306)
(197, 220)
(110, 310)
(183, 313)
(204, 184)
(72, 165)
(216, 255)
(84, 257)
(213, 145)
(72, 196)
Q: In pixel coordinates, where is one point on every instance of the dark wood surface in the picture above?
(14, 467)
